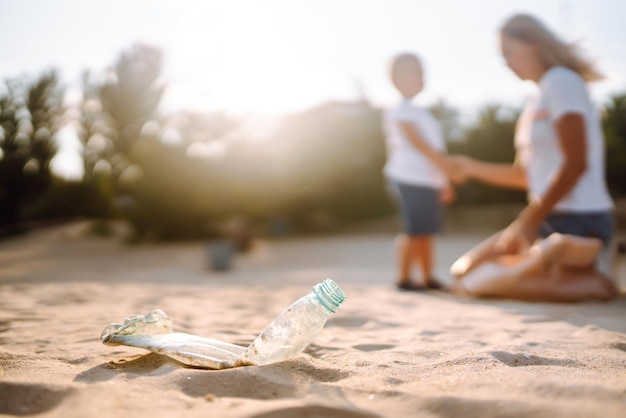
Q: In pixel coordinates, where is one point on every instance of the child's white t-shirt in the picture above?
(405, 163)
(561, 91)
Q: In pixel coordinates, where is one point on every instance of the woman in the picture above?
(560, 162)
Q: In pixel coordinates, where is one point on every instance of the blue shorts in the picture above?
(589, 224)
(420, 207)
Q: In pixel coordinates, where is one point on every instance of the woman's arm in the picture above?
(511, 176)
(570, 130)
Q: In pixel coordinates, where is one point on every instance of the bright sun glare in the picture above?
(216, 58)
(273, 57)
(250, 62)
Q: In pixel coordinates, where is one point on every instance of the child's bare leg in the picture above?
(423, 252)
(409, 251)
(404, 258)
(500, 276)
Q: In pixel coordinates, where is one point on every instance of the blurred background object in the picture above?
(178, 117)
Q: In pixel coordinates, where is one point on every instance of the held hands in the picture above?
(458, 167)
(519, 236)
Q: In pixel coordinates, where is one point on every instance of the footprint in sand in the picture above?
(318, 351)
(261, 383)
(316, 411)
(372, 347)
(618, 345)
(429, 333)
(349, 322)
(520, 360)
(4, 326)
(322, 375)
(29, 399)
(360, 322)
(537, 319)
(575, 391)
(147, 364)
(274, 381)
(449, 406)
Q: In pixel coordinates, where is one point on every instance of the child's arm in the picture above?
(418, 142)
(439, 159)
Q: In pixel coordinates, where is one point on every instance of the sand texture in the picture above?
(385, 353)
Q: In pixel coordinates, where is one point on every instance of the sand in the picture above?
(385, 353)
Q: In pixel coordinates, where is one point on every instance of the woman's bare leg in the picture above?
(569, 250)
(501, 275)
(559, 268)
(484, 251)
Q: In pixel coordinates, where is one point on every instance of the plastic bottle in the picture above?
(296, 327)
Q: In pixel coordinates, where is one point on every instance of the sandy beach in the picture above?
(385, 353)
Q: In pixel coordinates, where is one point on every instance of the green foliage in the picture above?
(131, 97)
(490, 139)
(74, 199)
(318, 168)
(335, 158)
(614, 126)
(113, 114)
(168, 200)
(188, 175)
(29, 120)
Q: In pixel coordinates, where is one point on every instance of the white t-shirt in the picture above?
(561, 91)
(405, 163)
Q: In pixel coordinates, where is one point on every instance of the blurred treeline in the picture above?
(190, 175)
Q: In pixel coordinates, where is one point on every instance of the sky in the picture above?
(280, 56)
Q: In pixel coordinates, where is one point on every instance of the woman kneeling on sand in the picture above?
(560, 162)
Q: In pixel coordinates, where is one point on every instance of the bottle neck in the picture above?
(329, 294)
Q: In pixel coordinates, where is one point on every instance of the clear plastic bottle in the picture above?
(296, 327)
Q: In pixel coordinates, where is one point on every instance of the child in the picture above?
(415, 170)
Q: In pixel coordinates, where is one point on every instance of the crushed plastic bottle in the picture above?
(154, 332)
(295, 327)
(289, 334)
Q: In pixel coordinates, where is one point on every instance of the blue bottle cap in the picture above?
(329, 294)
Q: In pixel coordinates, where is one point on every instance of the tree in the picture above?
(29, 120)
(129, 99)
(112, 115)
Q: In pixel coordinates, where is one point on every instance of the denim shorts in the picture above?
(421, 208)
(588, 224)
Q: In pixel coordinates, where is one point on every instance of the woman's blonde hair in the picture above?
(552, 49)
